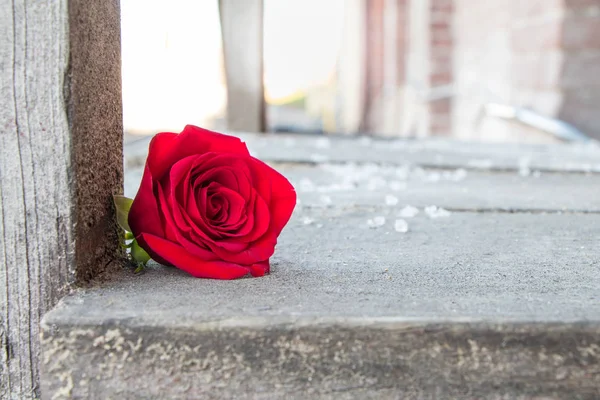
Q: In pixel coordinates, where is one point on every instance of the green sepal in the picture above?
(122, 206)
(138, 254)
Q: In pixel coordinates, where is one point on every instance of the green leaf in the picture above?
(138, 254)
(122, 206)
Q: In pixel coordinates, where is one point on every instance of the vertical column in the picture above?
(60, 162)
(242, 29)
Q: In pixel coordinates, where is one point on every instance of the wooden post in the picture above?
(242, 31)
(60, 162)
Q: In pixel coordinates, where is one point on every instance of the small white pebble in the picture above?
(391, 200)
(325, 200)
(458, 175)
(401, 226)
(436, 212)
(376, 222)
(408, 212)
(397, 185)
(307, 220)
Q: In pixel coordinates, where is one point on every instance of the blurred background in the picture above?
(494, 70)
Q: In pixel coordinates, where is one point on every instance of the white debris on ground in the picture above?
(375, 183)
(401, 226)
(376, 222)
(373, 177)
(391, 200)
(325, 200)
(436, 212)
(397, 186)
(307, 220)
(408, 212)
(322, 143)
(524, 169)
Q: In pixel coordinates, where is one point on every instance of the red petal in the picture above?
(144, 215)
(283, 196)
(260, 269)
(167, 148)
(178, 257)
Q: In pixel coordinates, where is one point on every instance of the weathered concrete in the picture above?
(474, 305)
(371, 185)
(436, 153)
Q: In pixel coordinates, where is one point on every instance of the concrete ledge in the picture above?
(343, 359)
(474, 305)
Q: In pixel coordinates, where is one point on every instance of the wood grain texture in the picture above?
(60, 134)
(242, 31)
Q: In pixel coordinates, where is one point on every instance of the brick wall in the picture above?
(441, 43)
(539, 54)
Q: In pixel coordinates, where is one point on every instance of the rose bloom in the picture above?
(209, 208)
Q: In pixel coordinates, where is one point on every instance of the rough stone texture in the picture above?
(475, 305)
(498, 300)
(334, 185)
(60, 149)
(436, 153)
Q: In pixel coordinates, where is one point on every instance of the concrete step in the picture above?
(437, 153)
(470, 306)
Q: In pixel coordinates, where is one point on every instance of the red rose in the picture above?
(209, 208)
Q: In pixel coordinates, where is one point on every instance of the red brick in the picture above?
(440, 79)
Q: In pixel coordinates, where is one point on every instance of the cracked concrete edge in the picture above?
(378, 358)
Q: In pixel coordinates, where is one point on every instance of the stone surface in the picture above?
(60, 163)
(437, 153)
(332, 185)
(473, 304)
(492, 291)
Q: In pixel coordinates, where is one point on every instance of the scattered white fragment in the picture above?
(537, 173)
(376, 222)
(436, 212)
(325, 200)
(391, 200)
(433, 177)
(401, 226)
(524, 169)
(408, 212)
(322, 143)
(376, 182)
(307, 220)
(397, 186)
(457, 175)
(306, 185)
